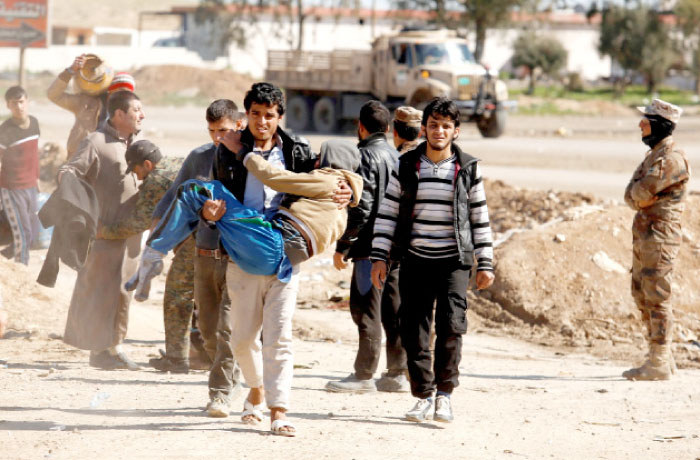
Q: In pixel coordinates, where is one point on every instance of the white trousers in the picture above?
(263, 302)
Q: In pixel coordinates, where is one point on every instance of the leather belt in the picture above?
(215, 253)
(303, 234)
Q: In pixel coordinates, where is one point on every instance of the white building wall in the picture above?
(581, 44)
(327, 34)
(318, 36)
(56, 58)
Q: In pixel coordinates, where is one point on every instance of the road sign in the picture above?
(23, 23)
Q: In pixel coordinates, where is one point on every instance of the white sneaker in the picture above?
(422, 411)
(443, 409)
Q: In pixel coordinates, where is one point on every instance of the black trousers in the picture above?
(421, 283)
(371, 309)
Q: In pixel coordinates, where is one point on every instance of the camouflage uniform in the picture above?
(656, 234)
(178, 302)
(409, 145)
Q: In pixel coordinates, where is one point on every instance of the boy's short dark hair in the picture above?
(264, 93)
(409, 133)
(120, 101)
(441, 106)
(15, 92)
(222, 108)
(374, 117)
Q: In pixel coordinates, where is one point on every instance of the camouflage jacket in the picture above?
(409, 145)
(150, 192)
(663, 174)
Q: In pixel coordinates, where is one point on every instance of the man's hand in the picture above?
(339, 261)
(378, 274)
(214, 210)
(78, 63)
(649, 202)
(484, 279)
(343, 194)
(99, 235)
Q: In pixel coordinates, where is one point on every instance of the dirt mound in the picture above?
(163, 83)
(570, 280)
(513, 208)
(32, 309)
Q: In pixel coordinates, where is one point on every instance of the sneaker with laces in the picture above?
(218, 408)
(422, 411)
(352, 384)
(443, 409)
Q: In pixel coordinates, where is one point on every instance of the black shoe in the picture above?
(108, 361)
(175, 366)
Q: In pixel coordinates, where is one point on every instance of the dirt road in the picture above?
(517, 399)
(591, 154)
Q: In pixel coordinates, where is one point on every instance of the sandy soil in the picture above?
(517, 399)
(541, 364)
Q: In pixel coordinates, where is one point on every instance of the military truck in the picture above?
(409, 67)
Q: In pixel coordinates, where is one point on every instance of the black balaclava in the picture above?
(661, 128)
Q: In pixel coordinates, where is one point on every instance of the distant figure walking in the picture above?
(19, 174)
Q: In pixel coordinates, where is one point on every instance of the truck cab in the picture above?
(409, 67)
(423, 64)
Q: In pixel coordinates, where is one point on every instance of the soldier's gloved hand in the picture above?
(151, 265)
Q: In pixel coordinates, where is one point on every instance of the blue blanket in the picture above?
(251, 241)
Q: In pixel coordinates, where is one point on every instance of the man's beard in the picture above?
(448, 144)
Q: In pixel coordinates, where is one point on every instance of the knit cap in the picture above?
(122, 81)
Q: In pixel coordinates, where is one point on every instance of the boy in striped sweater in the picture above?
(434, 219)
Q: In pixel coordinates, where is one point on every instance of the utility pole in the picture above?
(20, 73)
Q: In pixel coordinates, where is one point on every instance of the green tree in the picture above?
(688, 14)
(487, 14)
(538, 54)
(229, 20)
(481, 15)
(635, 37)
(226, 20)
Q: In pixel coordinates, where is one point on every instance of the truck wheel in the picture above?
(494, 125)
(325, 120)
(298, 114)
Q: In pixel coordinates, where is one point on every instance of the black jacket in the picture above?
(73, 211)
(298, 157)
(377, 160)
(409, 166)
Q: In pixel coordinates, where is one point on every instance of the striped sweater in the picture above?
(433, 231)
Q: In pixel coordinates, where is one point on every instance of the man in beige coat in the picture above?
(94, 81)
(98, 314)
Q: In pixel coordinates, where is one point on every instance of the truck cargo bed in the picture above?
(340, 70)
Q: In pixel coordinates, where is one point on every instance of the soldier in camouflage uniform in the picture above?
(407, 128)
(657, 192)
(158, 174)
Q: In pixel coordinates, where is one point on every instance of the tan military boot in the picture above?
(657, 367)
